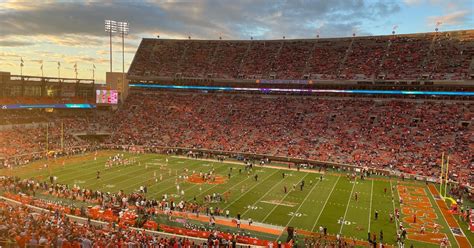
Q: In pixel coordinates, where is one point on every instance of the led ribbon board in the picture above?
(268, 90)
(41, 106)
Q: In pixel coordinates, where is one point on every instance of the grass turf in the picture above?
(328, 202)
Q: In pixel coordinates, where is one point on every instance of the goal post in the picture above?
(441, 174)
(446, 179)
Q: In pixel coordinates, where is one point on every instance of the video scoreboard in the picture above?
(106, 96)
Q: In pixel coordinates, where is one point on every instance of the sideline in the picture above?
(256, 165)
(462, 241)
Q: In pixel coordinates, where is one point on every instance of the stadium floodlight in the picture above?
(123, 28)
(110, 27)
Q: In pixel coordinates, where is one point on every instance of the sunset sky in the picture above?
(73, 31)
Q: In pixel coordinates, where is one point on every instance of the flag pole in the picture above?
(21, 66)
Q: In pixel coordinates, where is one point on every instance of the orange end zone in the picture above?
(417, 203)
(462, 240)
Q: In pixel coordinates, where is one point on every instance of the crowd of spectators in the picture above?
(451, 56)
(22, 227)
(409, 136)
(441, 56)
(30, 133)
(405, 56)
(404, 135)
(197, 58)
(126, 210)
(363, 65)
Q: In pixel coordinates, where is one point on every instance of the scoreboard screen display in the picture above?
(106, 97)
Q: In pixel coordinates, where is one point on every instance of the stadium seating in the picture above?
(21, 227)
(440, 56)
(408, 136)
(43, 100)
(362, 132)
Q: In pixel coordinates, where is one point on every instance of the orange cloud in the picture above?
(454, 18)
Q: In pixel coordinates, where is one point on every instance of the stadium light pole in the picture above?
(123, 29)
(110, 27)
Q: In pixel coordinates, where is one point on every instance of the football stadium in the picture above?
(340, 141)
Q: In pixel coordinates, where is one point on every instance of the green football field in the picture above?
(328, 202)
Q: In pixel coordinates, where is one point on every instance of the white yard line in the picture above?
(92, 163)
(103, 180)
(187, 189)
(347, 207)
(393, 202)
(371, 197)
(297, 210)
(326, 202)
(72, 169)
(444, 218)
(230, 204)
(259, 199)
(284, 197)
(235, 185)
(276, 167)
(140, 182)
